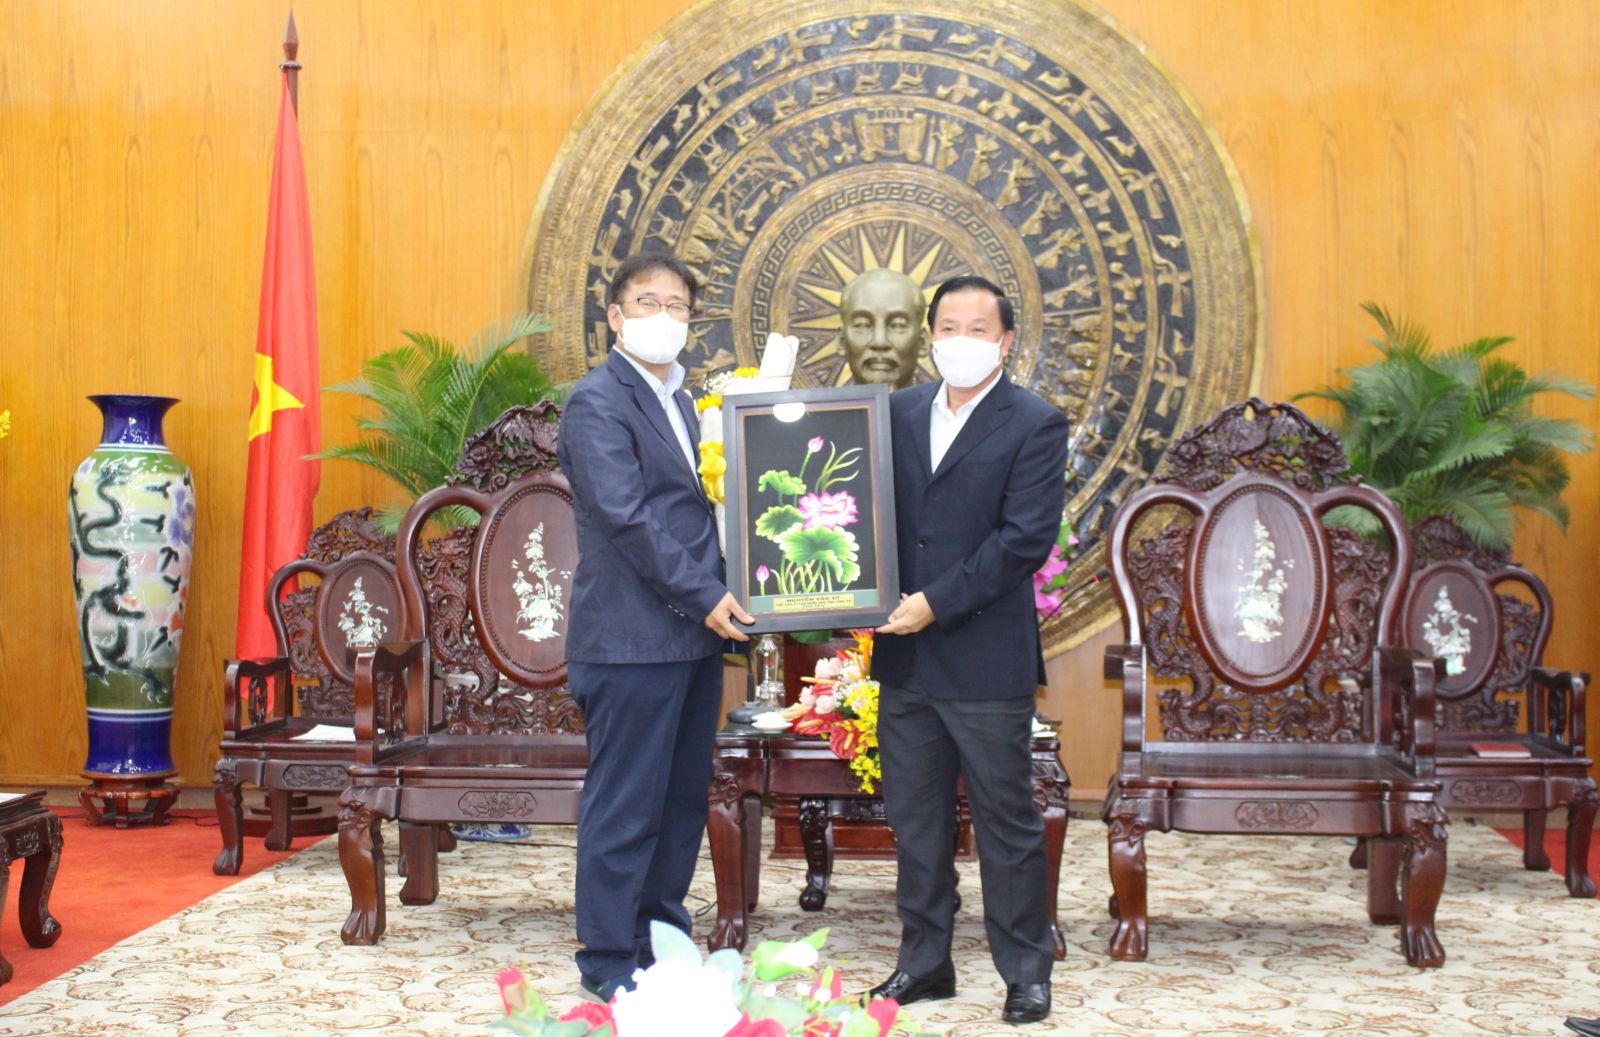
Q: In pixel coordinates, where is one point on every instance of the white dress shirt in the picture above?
(664, 392)
(943, 425)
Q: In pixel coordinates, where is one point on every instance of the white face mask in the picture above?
(656, 339)
(963, 361)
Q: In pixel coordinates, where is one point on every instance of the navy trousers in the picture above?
(925, 742)
(651, 731)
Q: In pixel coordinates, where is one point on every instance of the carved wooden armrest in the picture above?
(243, 677)
(401, 662)
(1571, 685)
(1125, 665)
(1414, 675)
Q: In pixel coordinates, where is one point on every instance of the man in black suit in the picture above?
(650, 610)
(979, 477)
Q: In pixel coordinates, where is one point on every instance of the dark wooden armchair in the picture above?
(1463, 607)
(1270, 642)
(355, 601)
(496, 738)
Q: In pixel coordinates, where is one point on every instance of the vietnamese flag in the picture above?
(285, 421)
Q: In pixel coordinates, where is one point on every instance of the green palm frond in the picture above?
(428, 398)
(1452, 431)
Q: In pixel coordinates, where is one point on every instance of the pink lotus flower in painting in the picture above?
(828, 510)
(814, 444)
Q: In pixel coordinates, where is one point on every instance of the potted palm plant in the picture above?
(431, 397)
(1452, 432)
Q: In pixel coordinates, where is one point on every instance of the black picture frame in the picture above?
(809, 502)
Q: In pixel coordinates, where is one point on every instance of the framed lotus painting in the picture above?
(810, 507)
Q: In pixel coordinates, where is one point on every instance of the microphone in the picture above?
(1102, 573)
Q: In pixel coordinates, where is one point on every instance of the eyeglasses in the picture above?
(650, 306)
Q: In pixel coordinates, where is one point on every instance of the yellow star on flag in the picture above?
(270, 397)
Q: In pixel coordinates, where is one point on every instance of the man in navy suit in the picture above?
(650, 612)
(979, 481)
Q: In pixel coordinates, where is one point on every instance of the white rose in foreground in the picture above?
(808, 698)
(676, 999)
(824, 703)
(827, 669)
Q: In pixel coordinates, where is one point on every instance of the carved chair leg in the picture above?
(816, 835)
(752, 857)
(731, 841)
(279, 829)
(418, 848)
(1580, 827)
(1424, 873)
(1055, 836)
(1130, 941)
(230, 817)
(5, 887)
(1358, 856)
(1383, 879)
(444, 839)
(1534, 857)
(38, 876)
(361, 856)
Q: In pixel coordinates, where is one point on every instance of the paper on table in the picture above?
(327, 733)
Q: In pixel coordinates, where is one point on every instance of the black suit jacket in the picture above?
(649, 567)
(971, 535)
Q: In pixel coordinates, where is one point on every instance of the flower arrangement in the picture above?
(713, 465)
(841, 705)
(682, 995)
(1050, 582)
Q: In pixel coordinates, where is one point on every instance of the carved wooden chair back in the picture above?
(348, 547)
(1463, 607)
(1261, 616)
(492, 599)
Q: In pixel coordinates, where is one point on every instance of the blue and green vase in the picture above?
(131, 506)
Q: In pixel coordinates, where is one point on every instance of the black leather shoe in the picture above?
(908, 989)
(1587, 1027)
(603, 990)
(1026, 1002)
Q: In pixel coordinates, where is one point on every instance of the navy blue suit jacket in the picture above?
(970, 537)
(649, 568)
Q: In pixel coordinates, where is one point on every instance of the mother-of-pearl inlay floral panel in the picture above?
(538, 595)
(1259, 606)
(359, 619)
(1446, 635)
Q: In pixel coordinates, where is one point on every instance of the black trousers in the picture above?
(651, 731)
(924, 743)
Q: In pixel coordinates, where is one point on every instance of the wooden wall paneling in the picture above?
(1437, 157)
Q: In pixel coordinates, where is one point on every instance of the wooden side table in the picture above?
(753, 766)
(32, 833)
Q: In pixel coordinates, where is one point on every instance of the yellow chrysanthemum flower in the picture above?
(712, 467)
(746, 372)
(706, 402)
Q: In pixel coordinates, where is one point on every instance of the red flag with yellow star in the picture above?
(285, 422)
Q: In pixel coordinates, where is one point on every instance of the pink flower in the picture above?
(814, 444)
(828, 986)
(808, 698)
(828, 510)
(747, 1027)
(883, 1011)
(824, 704)
(513, 989)
(589, 1014)
(763, 574)
(827, 669)
(1054, 566)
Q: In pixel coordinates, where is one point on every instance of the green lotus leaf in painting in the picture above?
(778, 520)
(833, 550)
(782, 483)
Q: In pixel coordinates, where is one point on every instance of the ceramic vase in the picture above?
(131, 511)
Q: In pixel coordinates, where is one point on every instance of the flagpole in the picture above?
(291, 49)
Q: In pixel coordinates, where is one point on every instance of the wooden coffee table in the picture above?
(753, 767)
(32, 833)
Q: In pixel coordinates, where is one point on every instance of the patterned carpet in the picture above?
(1257, 936)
